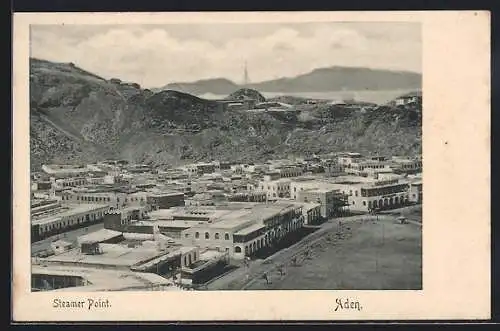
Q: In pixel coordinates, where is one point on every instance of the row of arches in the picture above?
(270, 237)
(388, 202)
(217, 236)
(188, 260)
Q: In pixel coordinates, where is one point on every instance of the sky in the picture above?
(155, 55)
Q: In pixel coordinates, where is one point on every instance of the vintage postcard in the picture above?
(251, 166)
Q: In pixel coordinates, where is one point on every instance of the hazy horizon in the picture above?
(220, 77)
(156, 55)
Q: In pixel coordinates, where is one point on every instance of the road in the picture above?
(244, 277)
(70, 236)
(57, 127)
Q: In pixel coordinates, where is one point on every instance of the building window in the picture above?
(197, 235)
(237, 249)
(186, 235)
(364, 203)
(207, 235)
(226, 236)
(353, 202)
(216, 235)
(356, 193)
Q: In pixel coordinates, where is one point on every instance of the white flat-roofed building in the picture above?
(115, 197)
(244, 231)
(144, 256)
(87, 279)
(279, 188)
(331, 201)
(306, 183)
(99, 236)
(65, 170)
(376, 194)
(252, 168)
(363, 193)
(218, 233)
(66, 217)
(70, 182)
(345, 159)
(406, 164)
(362, 167)
(199, 168)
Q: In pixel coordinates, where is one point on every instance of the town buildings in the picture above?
(189, 223)
(245, 230)
(49, 217)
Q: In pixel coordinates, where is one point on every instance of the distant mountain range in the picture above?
(318, 80)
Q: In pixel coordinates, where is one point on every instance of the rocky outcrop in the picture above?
(79, 117)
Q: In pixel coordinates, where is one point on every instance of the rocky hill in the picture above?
(244, 93)
(77, 116)
(214, 86)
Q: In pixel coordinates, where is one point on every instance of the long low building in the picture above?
(164, 200)
(117, 196)
(85, 279)
(245, 230)
(361, 194)
(62, 218)
(368, 194)
(65, 170)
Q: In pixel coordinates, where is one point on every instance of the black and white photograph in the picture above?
(226, 156)
(189, 156)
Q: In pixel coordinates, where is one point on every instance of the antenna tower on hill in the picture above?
(246, 80)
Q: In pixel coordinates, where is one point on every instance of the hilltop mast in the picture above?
(246, 79)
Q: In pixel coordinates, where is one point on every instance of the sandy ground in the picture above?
(369, 256)
(362, 253)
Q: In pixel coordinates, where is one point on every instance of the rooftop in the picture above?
(65, 211)
(112, 255)
(164, 194)
(232, 219)
(167, 223)
(98, 236)
(210, 254)
(104, 280)
(310, 205)
(250, 229)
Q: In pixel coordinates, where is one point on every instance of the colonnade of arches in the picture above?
(388, 202)
(275, 234)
